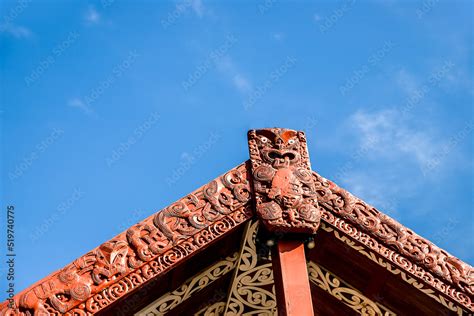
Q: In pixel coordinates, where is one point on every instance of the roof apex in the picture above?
(288, 197)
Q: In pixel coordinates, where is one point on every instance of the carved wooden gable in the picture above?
(213, 252)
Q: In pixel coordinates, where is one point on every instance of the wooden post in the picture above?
(291, 279)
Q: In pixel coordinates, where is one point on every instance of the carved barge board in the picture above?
(143, 252)
(383, 235)
(287, 197)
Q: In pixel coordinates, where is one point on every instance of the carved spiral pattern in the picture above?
(170, 300)
(427, 280)
(263, 173)
(169, 236)
(252, 289)
(282, 181)
(147, 249)
(80, 292)
(344, 292)
(405, 248)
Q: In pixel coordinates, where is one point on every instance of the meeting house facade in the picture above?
(269, 237)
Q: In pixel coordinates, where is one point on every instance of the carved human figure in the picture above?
(283, 183)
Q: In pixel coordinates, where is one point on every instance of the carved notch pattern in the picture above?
(170, 300)
(361, 248)
(284, 188)
(286, 198)
(392, 240)
(253, 290)
(347, 294)
(147, 249)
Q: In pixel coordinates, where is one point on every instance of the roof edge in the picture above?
(155, 245)
(144, 251)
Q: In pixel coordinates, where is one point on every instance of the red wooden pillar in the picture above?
(291, 279)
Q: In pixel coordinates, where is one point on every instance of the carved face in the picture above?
(282, 180)
(111, 256)
(278, 147)
(290, 201)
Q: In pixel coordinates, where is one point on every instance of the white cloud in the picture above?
(407, 81)
(242, 83)
(377, 191)
(227, 66)
(386, 138)
(197, 7)
(16, 31)
(391, 137)
(78, 103)
(92, 16)
(278, 36)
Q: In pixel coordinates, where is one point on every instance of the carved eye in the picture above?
(264, 140)
(291, 141)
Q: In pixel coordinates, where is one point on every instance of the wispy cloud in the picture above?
(81, 105)
(278, 36)
(407, 81)
(92, 16)
(212, 59)
(198, 7)
(227, 66)
(415, 155)
(242, 83)
(181, 8)
(8, 27)
(376, 191)
(16, 31)
(392, 137)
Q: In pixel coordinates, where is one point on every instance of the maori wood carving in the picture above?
(347, 294)
(252, 291)
(147, 249)
(190, 287)
(398, 244)
(285, 196)
(288, 197)
(405, 275)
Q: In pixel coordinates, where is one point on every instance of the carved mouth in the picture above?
(280, 155)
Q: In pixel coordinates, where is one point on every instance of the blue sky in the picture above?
(111, 110)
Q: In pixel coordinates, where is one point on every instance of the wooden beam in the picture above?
(291, 279)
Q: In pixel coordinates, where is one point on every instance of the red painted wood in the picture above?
(291, 279)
